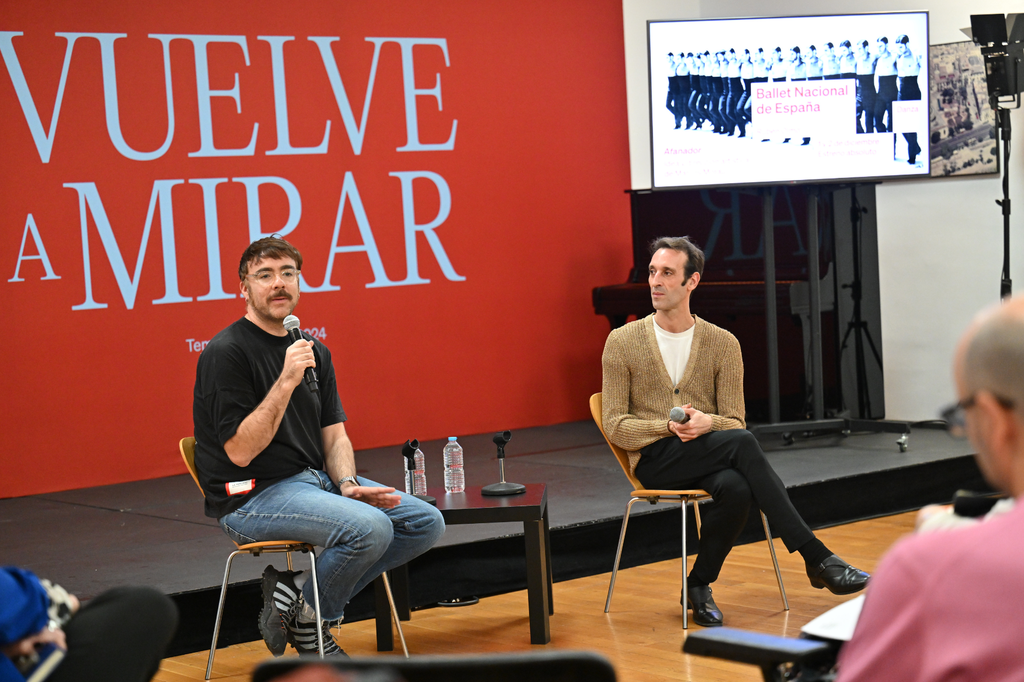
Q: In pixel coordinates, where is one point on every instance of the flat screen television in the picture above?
(813, 99)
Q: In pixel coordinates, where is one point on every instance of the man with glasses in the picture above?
(946, 606)
(275, 461)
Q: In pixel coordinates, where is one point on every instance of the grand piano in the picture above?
(728, 225)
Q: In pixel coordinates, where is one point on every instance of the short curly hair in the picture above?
(267, 247)
(694, 256)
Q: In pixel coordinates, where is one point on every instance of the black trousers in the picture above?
(731, 466)
(120, 635)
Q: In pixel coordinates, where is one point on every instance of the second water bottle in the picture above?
(454, 474)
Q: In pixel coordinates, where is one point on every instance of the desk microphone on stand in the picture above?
(502, 488)
(409, 452)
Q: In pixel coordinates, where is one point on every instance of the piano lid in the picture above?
(728, 226)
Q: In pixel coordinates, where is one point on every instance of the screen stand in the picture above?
(817, 423)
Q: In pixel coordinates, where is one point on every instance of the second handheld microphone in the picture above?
(678, 415)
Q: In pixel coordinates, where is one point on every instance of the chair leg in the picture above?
(618, 553)
(220, 611)
(394, 612)
(696, 516)
(775, 560)
(316, 602)
(686, 593)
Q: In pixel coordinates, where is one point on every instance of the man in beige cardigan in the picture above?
(675, 359)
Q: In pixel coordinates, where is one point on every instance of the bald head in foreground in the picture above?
(949, 605)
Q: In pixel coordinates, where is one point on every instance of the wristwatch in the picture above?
(348, 479)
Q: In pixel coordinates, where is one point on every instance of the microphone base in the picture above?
(427, 498)
(503, 488)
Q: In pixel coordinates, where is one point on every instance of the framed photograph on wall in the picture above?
(963, 123)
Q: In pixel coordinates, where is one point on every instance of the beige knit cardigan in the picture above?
(637, 393)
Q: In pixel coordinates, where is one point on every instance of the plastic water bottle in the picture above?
(419, 474)
(454, 475)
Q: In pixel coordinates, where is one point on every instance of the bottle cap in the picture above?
(452, 438)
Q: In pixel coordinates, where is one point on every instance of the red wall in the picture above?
(98, 370)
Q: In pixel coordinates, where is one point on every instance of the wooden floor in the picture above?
(642, 635)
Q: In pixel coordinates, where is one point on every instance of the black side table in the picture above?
(471, 506)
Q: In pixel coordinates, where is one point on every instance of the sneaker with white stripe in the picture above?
(302, 635)
(281, 601)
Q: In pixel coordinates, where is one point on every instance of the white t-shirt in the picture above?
(675, 350)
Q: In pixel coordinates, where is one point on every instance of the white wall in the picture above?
(940, 241)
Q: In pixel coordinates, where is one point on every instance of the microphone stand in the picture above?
(502, 488)
(409, 452)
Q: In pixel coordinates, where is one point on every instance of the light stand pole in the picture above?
(1002, 46)
(1003, 121)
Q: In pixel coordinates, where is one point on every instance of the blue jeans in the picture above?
(359, 541)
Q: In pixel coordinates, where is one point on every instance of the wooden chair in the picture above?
(187, 446)
(682, 497)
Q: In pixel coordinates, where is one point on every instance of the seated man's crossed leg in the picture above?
(732, 468)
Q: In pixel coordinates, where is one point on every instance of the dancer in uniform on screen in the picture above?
(721, 91)
(847, 62)
(719, 77)
(733, 95)
(865, 88)
(743, 105)
(797, 72)
(705, 87)
(695, 92)
(682, 97)
(815, 68)
(761, 68)
(796, 69)
(908, 66)
(885, 69)
(778, 69)
(829, 63)
(670, 97)
(715, 88)
(670, 359)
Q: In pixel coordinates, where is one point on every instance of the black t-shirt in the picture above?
(234, 375)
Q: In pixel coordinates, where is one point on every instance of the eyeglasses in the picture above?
(955, 415)
(266, 276)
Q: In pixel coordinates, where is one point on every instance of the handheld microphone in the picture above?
(291, 325)
(678, 415)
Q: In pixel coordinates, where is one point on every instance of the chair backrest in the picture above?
(540, 666)
(620, 454)
(188, 453)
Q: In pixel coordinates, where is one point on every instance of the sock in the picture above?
(693, 581)
(814, 552)
(306, 613)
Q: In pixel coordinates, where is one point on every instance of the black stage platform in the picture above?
(154, 532)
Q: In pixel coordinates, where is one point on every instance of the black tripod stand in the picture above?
(857, 327)
(818, 422)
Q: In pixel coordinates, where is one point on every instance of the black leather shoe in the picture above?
(705, 611)
(838, 576)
